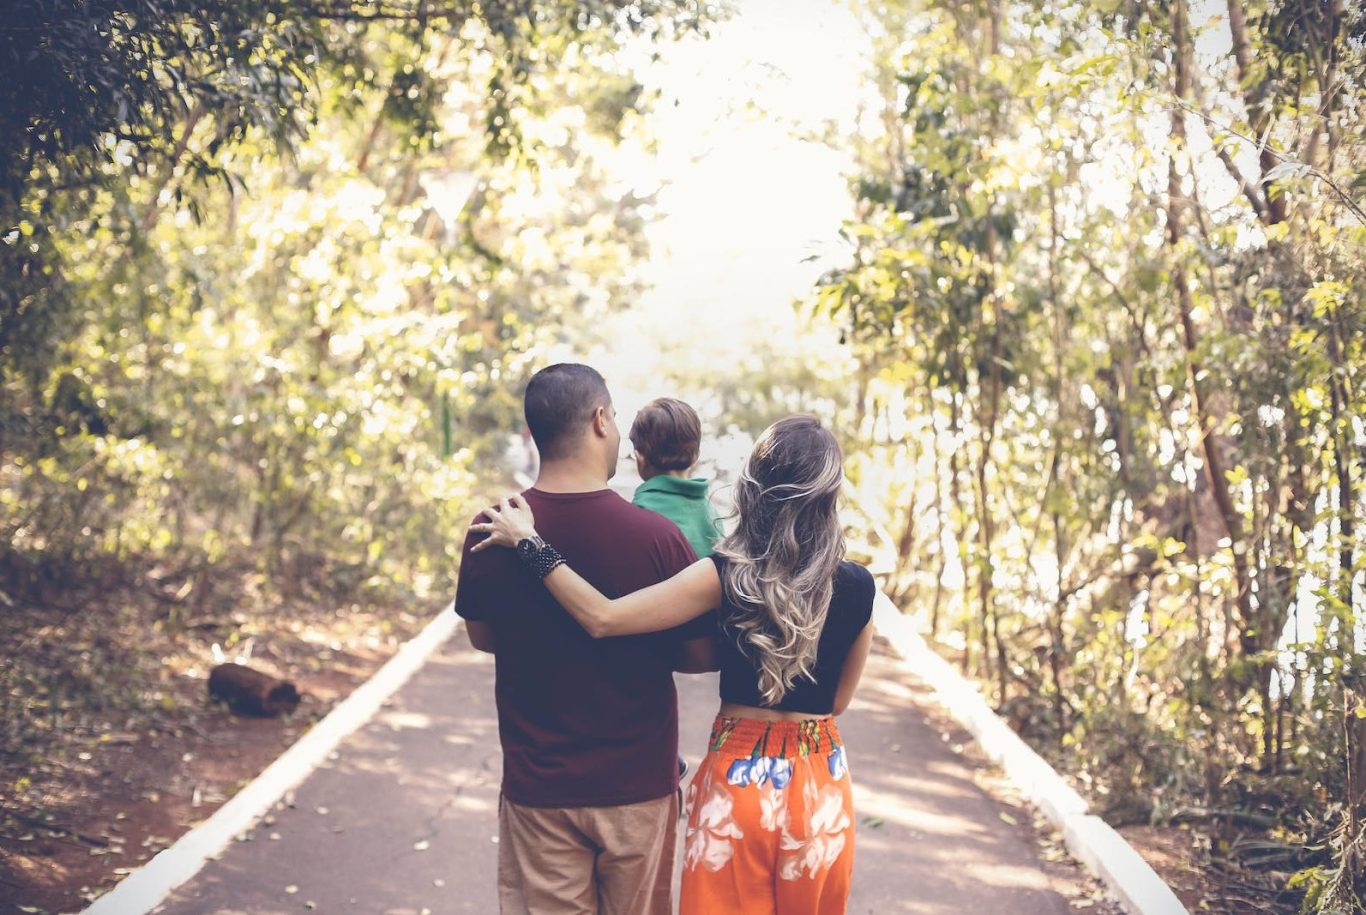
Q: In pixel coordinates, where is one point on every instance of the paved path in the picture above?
(403, 820)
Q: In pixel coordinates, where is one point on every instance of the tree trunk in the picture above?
(1342, 433)
(960, 534)
(986, 526)
(939, 510)
(1057, 647)
(905, 544)
(1254, 98)
(1354, 752)
(1214, 465)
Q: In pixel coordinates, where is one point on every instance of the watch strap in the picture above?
(538, 556)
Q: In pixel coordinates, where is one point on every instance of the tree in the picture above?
(1111, 274)
(270, 290)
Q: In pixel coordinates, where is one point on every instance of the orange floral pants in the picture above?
(770, 821)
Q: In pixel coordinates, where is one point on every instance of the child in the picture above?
(666, 435)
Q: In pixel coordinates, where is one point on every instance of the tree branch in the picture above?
(382, 13)
(1280, 156)
(149, 216)
(1254, 97)
(1120, 297)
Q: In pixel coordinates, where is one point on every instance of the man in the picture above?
(589, 729)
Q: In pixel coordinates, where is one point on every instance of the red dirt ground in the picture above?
(89, 790)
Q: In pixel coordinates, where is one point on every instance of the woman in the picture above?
(771, 821)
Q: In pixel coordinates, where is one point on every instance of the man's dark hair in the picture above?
(559, 402)
(668, 434)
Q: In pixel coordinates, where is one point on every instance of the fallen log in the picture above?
(251, 692)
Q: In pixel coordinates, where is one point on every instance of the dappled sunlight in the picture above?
(400, 721)
(894, 807)
(743, 120)
(1075, 285)
(922, 813)
(482, 806)
(429, 812)
(934, 779)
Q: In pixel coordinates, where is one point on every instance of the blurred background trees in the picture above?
(271, 272)
(1105, 284)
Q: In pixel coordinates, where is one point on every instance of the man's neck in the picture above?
(569, 476)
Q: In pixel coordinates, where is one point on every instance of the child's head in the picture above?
(666, 434)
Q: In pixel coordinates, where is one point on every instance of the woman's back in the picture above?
(851, 604)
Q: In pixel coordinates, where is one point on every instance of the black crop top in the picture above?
(851, 606)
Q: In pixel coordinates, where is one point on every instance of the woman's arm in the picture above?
(853, 668)
(672, 602)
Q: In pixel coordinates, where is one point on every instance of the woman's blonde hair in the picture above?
(783, 553)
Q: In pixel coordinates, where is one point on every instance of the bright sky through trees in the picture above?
(1078, 283)
(750, 199)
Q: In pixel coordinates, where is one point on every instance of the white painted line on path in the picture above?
(145, 888)
(1094, 843)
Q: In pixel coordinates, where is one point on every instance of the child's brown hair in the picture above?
(667, 433)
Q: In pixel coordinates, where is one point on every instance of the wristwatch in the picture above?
(537, 555)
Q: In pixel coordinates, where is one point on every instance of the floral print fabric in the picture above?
(770, 820)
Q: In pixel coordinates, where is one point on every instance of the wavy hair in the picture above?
(783, 553)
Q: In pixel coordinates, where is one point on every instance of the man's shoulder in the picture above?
(480, 514)
(642, 531)
(639, 520)
(607, 506)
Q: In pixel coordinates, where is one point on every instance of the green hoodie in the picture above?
(684, 502)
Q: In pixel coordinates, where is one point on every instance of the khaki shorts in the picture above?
(587, 860)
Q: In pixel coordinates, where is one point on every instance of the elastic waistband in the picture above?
(760, 737)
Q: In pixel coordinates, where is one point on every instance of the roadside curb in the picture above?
(145, 888)
(1090, 840)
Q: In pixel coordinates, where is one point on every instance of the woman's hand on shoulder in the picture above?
(509, 522)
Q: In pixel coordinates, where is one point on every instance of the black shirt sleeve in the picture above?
(857, 600)
(869, 596)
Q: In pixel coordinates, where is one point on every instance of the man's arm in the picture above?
(481, 635)
(697, 656)
(470, 600)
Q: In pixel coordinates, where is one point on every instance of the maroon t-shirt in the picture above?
(583, 722)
